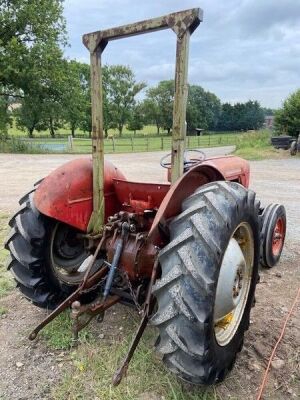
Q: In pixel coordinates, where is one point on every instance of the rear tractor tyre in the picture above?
(209, 272)
(273, 234)
(45, 255)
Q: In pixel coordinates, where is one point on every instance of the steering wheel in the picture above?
(189, 159)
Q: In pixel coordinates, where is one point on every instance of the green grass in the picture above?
(93, 366)
(58, 333)
(256, 146)
(3, 310)
(6, 281)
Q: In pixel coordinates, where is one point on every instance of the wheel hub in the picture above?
(67, 254)
(278, 237)
(233, 284)
(230, 280)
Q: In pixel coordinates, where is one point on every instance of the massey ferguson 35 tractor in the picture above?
(185, 254)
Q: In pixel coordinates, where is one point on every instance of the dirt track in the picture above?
(274, 181)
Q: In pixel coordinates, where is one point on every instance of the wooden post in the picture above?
(131, 138)
(97, 217)
(70, 142)
(162, 143)
(113, 143)
(179, 108)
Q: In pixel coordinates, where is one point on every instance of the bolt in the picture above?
(76, 305)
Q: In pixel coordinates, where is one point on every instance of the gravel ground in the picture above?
(28, 370)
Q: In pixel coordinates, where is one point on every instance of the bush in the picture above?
(17, 145)
(287, 119)
(257, 139)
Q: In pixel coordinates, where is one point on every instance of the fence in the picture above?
(122, 145)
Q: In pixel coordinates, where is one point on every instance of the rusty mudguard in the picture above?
(229, 168)
(66, 194)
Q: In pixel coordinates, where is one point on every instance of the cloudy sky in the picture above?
(243, 49)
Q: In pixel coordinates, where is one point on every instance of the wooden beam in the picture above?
(97, 217)
(179, 22)
(179, 107)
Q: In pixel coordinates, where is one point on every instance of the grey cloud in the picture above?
(267, 17)
(242, 50)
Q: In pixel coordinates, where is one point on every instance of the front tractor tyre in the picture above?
(45, 255)
(273, 234)
(209, 272)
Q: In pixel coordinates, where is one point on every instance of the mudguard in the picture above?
(229, 168)
(66, 194)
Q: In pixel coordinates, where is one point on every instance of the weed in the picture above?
(3, 310)
(94, 365)
(58, 333)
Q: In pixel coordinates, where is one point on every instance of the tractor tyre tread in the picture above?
(26, 243)
(186, 290)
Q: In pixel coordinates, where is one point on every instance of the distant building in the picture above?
(269, 121)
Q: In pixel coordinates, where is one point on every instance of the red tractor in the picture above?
(186, 253)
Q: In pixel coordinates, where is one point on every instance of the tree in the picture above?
(160, 101)
(76, 93)
(30, 115)
(203, 109)
(136, 118)
(268, 111)
(287, 119)
(152, 114)
(252, 116)
(4, 115)
(31, 36)
(120, 89)
(241, 116)
(27, 26)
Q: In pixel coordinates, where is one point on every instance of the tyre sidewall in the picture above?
(270, 259)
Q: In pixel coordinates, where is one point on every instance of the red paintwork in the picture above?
(139, 196)
(232, 168)
(137, 257)
(66, 194)
(229, 168)
(278, 236)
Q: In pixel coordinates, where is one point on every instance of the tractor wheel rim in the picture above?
(278, 237)
(67, 254)
(233, 284)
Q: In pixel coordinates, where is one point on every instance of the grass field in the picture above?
(256, 146)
